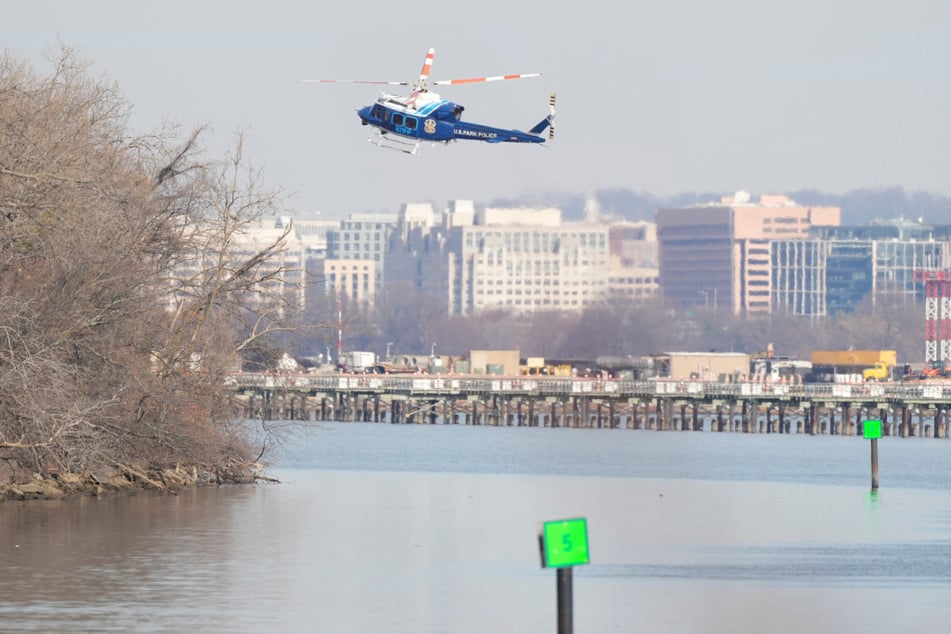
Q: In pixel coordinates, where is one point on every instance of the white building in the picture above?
(519, 260)
(363, 237)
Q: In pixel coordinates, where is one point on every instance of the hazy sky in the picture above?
(660, 97)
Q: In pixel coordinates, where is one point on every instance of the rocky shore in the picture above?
(17, 483)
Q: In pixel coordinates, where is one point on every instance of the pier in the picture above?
(905, 409)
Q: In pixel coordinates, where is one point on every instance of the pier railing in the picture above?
(435, 385)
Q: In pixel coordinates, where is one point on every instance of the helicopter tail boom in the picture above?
(498, 135)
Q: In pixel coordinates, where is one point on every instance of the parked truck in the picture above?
(357, 361)
(864, 365)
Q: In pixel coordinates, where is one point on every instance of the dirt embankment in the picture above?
(17, 483)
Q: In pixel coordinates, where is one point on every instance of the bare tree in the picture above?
(126, 290)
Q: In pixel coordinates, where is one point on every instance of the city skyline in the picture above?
(775, 255)
(664, 99)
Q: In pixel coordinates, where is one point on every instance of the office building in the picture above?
(718, 255)
(840, 268)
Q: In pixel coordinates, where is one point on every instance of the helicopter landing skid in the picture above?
(399, 144)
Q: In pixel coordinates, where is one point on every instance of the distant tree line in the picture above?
(859, 206)
(412, 320)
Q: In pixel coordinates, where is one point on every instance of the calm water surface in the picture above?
(408, 529)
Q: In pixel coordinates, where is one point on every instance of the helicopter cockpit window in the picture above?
(377, 112)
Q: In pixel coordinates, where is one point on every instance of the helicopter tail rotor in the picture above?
(547, 122)
(551, 117)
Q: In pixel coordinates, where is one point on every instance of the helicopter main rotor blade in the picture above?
(355, 81)
(427, 66)
(422, 84)
(474, 80)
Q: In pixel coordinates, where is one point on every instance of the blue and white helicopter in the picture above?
(403, 122)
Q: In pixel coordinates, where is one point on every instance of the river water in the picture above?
(415, 528)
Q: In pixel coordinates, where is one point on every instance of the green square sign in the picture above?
(565, 543)
(872, 428)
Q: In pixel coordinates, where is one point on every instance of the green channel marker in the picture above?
(565, 543)
(872, 429)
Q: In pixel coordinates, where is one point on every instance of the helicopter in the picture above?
(404, 122)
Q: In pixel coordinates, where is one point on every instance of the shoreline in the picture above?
(20, 485)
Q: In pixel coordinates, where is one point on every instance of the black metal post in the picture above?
(564, 601)
(875, 464)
